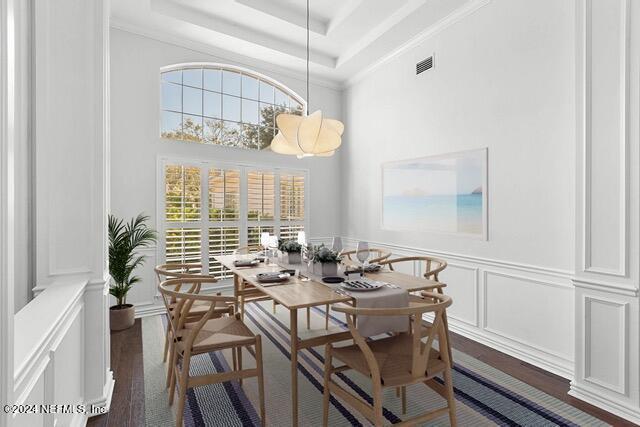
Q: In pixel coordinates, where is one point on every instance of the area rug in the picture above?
(484, 395)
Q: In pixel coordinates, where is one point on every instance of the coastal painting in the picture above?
(446, 193)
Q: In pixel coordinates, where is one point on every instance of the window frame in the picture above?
(205, 223)
(223, 67)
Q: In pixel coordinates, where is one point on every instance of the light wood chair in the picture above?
(397, 361)
(379, 255)
(206, 335)
(243, 250)
(432, 267)
(174, 271)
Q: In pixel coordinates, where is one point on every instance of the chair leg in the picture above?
(172, 362)
(182, 389)
(308, 317)
(235, 359)
(327, 378)
(172, 382)
(403, 393)
(260, 379)
(451, 401)
(326, 317)
(240, 363)
(166, 343)
(274, 307)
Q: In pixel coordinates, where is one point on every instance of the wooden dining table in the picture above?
(301, 292)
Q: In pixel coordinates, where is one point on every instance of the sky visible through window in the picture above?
(222, 106)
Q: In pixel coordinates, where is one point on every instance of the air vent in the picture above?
(425, 65)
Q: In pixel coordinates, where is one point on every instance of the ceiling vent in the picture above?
(425, 65)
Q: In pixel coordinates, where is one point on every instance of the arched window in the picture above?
(223, 105)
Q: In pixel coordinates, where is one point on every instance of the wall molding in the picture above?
(476, 296)
(598, 285)
(586, 142)
(412, 250)
(623, 323)
(524, 343)
(537, 357)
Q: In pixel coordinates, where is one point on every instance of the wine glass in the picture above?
(362, 253)
(264, 241)
(336, 244)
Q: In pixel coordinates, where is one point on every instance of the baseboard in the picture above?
(600, 400)
(103, 401)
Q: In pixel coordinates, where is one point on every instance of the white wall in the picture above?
(504, 79)
(136, 145)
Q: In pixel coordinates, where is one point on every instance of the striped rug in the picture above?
(484, 395)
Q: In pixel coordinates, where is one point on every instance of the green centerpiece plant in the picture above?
(326, 259)
(293, 249)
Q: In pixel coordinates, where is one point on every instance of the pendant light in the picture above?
(308, 135)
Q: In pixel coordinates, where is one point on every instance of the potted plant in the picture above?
(124, 240)
(327, 259)
(293, 249)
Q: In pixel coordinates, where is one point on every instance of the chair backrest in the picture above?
(177, 271)
(179, 295)
(379, 255)
(433, 266)
(428, 302)
(243, 250)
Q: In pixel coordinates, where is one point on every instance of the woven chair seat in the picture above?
(218, 334)
(394, 358)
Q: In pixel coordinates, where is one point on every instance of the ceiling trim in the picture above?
(222, 26)
(318, 26)
(242, 60)
(454, 17)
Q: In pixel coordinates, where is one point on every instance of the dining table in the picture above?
(304, 290)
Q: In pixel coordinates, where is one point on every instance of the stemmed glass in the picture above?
(362, 253)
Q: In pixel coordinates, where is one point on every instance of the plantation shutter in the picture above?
(183, 205)
(292, 202)
(212, 209)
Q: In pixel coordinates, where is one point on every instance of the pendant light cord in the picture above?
(307, 57)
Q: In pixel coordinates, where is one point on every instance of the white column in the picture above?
(607, 221)
(7, 125)
(71, 173)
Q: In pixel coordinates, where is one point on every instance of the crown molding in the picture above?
(124, 25)
(454, 17)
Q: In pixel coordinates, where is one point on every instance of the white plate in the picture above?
(373, 286)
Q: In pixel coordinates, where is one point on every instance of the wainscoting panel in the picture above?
(462, 286)
(511, 302)
(605, 343)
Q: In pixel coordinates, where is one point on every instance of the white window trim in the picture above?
(243, 223)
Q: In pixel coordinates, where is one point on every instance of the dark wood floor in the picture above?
(127, 405)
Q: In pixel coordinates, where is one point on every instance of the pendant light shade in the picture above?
(305, 136)
(308, 135)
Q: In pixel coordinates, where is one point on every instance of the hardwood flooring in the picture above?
(127, 405)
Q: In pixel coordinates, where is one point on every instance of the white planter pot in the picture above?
(294, 258)
(326, 269)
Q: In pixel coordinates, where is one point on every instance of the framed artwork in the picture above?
(445, 193)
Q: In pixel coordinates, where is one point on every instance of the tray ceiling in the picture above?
(347, 36)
